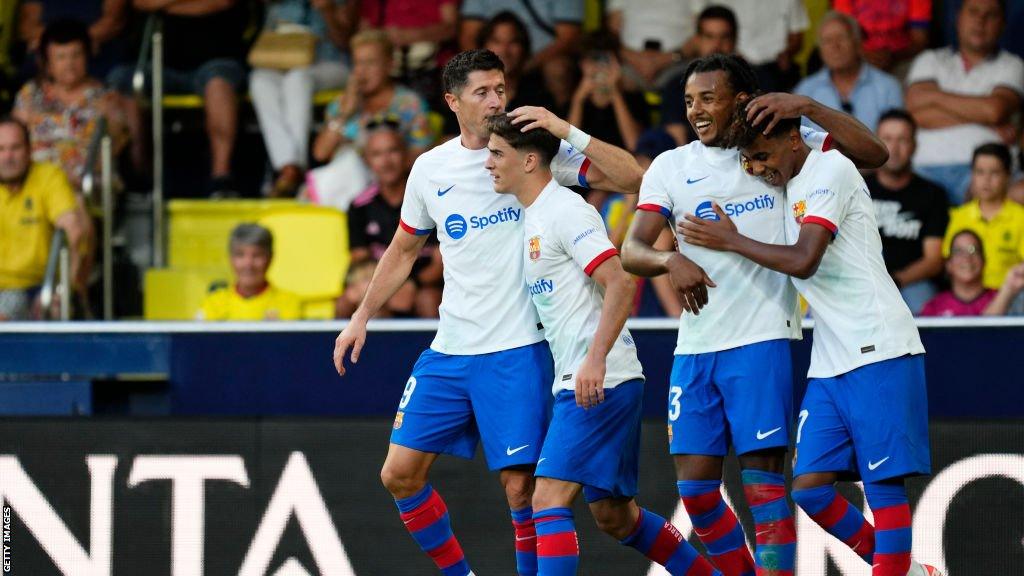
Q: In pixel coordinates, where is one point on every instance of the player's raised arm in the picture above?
(848, 134)
(392, 271)
(611, 168)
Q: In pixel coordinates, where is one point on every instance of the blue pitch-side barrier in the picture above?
(975, 367)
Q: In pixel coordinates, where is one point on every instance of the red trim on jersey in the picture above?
(828, 144)
(582, 175)
(599, 259)
(411, 230)
(821, 222)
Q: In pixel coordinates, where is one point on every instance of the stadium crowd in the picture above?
(941, 82)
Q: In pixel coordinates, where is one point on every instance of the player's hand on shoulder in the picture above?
(590, 382)
(353, 336)
(530, 117)
(767, 109)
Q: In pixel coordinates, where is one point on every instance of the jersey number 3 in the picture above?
(674, 394)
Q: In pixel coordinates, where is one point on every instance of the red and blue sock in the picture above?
(716, 526)
(893, 537)
(775, 554)
(558, 550)
(662, 542)
(426, 518)
(526, 541)
(839, 518)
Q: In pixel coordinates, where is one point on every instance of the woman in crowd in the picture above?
(284, 98)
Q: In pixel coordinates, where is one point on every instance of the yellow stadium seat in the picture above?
(174, 294)
(310, 255)
(198, 230)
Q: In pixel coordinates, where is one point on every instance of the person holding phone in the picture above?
(600, 106)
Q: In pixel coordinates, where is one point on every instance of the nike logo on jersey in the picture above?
(445, 191)
(873, 465)
(762, 436)
(695, 180)
(510, 450)
(541, 460)
(703, 534)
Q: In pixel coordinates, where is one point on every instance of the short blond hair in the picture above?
(373, 36)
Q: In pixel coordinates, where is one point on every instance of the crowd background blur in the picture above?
(316, 109)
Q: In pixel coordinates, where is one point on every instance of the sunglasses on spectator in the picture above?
(384, 121)
(965, 251)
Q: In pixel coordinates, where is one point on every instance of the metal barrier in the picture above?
(153, 42)
(101, 152)
(57, 264)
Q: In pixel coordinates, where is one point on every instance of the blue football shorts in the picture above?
(741, 397)
(451, 403)
(869, 423)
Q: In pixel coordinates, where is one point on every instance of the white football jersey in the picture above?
(565, 242)
(859, 316)
(751, 303)
(484, 307)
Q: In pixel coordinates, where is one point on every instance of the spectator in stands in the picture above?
(656, 37)
(963, 97)
(1008, 300)
(374, 219)
(106, 21)
(419, 31)
(967, 295)
(716, 34)
(847, 82)
(771, 33)
(250, 296)
(203, 54)
(35, 199)
(64, 107)
(600, 106)
(370, 94)
(555, 25)
(283, 99)
(507, 36)
(895, 30)
(912, 213)
(996, 220)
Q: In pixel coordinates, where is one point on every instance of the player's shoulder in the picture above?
(834, 161)
(437, 156)
(678, 158)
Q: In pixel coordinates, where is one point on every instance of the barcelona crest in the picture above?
(534, 247)
(799, 209)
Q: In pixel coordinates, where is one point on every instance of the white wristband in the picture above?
(578, 138)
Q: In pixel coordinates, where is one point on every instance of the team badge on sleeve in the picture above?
(534, 247)
(399, 417)
(799, 209)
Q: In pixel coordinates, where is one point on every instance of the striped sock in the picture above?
(660, 541)
(839, 518)
(426, 518)
(892, 528)
(526, 541)
(558, 551)
(775, 554)
(716, 526)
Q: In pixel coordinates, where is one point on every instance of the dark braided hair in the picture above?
(739, 72)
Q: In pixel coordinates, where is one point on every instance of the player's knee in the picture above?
(398, 482)
(615, 521)
(519, 490)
